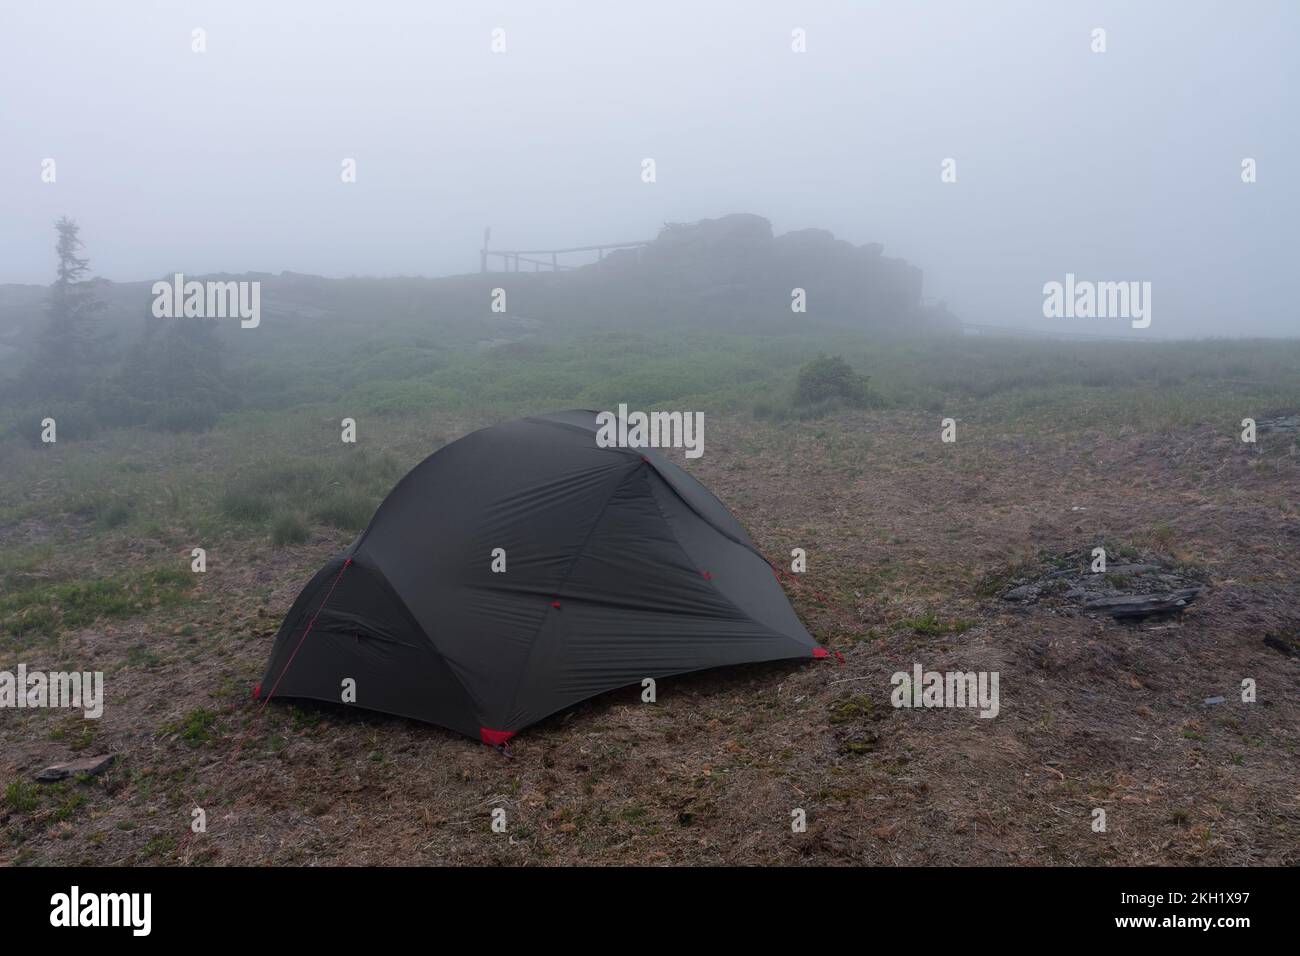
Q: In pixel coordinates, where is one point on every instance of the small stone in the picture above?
(1210, 701)
(87, 765)
(1280, 424)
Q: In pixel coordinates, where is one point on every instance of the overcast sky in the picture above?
(1122, 165)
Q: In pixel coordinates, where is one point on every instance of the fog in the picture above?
(1120, 165)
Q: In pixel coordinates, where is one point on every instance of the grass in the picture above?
(930, 625)
(195, 728)
(288, 528)
(21, 569)
(105, 511)
(140, 655)
(21, 796)
(243, 504)
(853, 709)
(273, 470)
(349, 511)
(279, 452)
(275, 467)
(45, 611)
(343, 490)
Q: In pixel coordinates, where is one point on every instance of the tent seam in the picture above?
(687, 554)
(431, 645)
(573, 563)
(751, 548)
(748, 546)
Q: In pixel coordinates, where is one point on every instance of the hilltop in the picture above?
(732, 272)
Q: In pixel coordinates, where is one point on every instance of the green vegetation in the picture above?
(195, 728)
(272, 466)
(343, 493)
(853, 709)
(105, 511)
(186, 432)
(21, 796)
(396, 367)
(347, 510)
(288, 528)
(43, 611)
(64, 356)
(827, 384)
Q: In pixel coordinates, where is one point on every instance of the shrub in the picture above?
(117, 410)
(107, 512)
(288, 528)
(114, 514)
(828, 378)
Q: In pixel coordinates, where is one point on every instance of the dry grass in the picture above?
(899, 528)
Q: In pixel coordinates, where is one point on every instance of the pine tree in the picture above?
(64, 357)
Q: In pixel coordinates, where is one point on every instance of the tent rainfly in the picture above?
(524, 568)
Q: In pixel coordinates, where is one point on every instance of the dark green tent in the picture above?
(618, 566)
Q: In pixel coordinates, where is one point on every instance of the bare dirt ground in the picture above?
(907, 539)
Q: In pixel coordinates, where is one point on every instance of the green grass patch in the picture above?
(45, 611)
(345, 487)
(195, 728)
(853, 709)
(243, 504)
(348, 511)
(21, 796)
(288, 528)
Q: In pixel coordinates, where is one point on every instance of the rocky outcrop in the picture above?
(736, 264)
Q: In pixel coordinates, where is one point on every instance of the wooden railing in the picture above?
(512, 258)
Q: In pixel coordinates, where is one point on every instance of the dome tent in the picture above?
(618, 566)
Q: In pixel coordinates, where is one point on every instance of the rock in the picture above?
(1134, 589)
(744, 273)
(1026, 592)
(810, 240)
(1211, 701)
(1283, 423)
(734, 229)
(1281, 645)
(1143, 605)
(88, 765)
